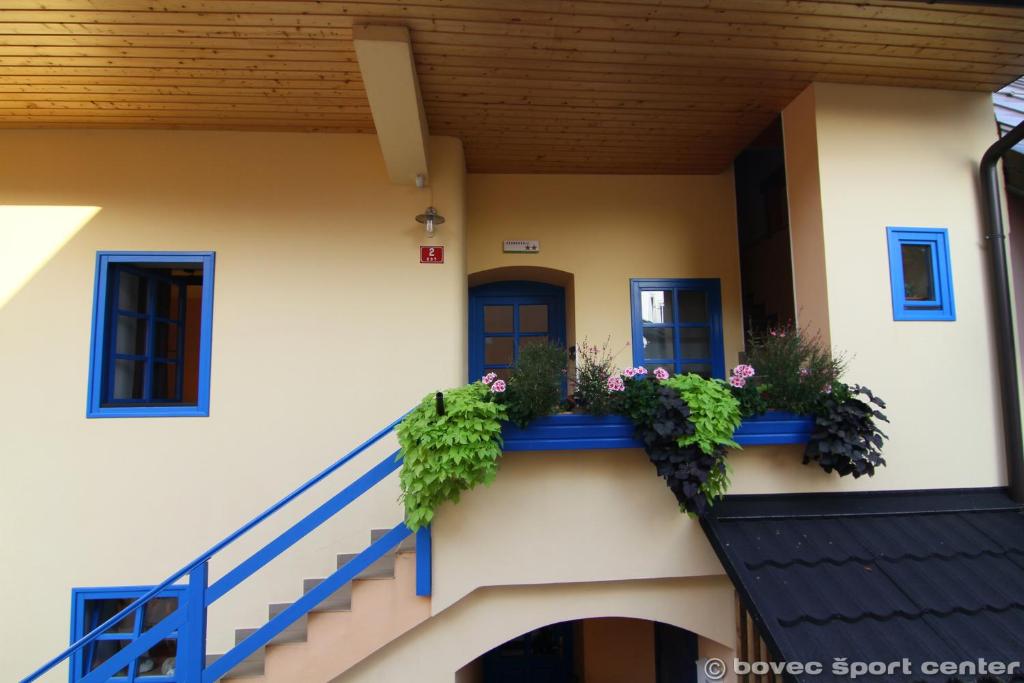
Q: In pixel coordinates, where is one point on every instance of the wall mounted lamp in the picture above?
(430, 219)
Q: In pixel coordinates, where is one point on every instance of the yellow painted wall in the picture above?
(807, 238)
(439, 648)
(608, 229)
(325, 328)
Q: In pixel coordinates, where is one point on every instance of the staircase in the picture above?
(372, 598)
(376, 607)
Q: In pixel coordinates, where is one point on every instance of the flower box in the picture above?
(575, 432)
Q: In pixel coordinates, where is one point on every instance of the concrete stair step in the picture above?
(408, 544)
(250, 666)
(339, 601)
(295, 632)
(384, 568)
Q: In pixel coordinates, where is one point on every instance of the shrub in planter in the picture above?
(447, 454)
(792, 369)
(846, 438)
(595, 375)
(535, 384)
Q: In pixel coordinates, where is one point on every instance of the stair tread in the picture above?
(384, 568)
(339, 601)
(252, 665)
(408, 544)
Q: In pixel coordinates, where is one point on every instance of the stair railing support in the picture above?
(192, 652)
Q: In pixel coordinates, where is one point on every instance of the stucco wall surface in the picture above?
(325, 328)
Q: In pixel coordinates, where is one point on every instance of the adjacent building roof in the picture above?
(932, 576)
(1009, 106)
(592, 86)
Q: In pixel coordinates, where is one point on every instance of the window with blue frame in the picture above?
(920, 274)
(91, 607)
(152, 330)
(677, 325)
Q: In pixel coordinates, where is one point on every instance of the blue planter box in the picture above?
(572, 432)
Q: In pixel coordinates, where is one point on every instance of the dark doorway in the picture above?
(596, 650)
(762, 216)
(545, 655)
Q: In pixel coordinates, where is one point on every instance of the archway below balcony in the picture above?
(533, 279)
(591, 650)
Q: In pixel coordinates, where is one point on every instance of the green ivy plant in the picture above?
(447, 454)
(714, 411)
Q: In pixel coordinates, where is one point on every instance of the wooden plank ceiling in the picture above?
(596, 86)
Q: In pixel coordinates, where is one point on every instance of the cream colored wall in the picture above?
(807, 239)
(902, 157)
(606, 230)
(439, 648)
(325, 328)
(600, 515)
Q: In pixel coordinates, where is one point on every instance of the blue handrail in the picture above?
(197, 568)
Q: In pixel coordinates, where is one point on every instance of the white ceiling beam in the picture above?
(389, 76)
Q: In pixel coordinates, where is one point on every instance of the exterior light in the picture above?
(430, 219)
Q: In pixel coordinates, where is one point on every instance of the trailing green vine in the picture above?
(447, 454)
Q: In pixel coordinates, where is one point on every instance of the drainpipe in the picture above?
(1006, 347)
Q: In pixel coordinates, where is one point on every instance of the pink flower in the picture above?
(804, 372)
(743, 371)
(660, 373)
(640, 371)
(827, 389)
(629, 372)
(737, 381)
(498, 387)
(489, 377)
(615, 383)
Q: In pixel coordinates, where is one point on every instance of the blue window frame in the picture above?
(504, 317)
(90, 607)
(151, 335)
(677, 325)
(920, 274)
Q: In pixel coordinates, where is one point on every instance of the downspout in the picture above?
(1006, 347)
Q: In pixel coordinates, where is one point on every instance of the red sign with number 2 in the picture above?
(431, 254)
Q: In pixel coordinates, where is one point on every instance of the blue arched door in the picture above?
(505, 317)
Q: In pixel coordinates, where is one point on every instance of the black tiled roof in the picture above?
(932, 576)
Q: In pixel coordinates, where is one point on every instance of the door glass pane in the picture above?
(702, 369)
(695, 342)
(132, 294)
(131, 335)
(533, 318)
(129, 378)
(531, 341)
(159, 661)
(498, 318)
(918, 278)
(658, 343)
(502, 373)
(498, 350)
(693, 307)
(656, 306)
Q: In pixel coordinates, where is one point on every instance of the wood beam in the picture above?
(389, 76)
